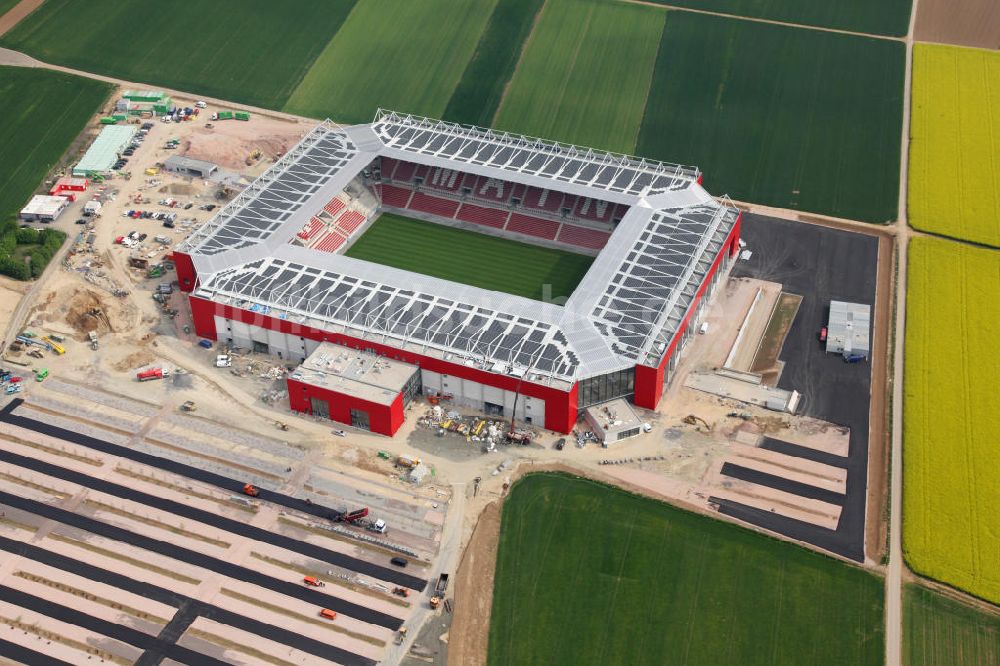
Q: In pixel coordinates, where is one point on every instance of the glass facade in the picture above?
(602, 388)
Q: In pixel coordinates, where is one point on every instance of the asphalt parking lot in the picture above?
(821, 265)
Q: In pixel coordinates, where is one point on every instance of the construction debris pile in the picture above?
(475, 429)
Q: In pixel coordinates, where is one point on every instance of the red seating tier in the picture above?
(533, 226)
(397, 197)
(488, 217)
(330, 242)
(349, 222)
(334, 206)
(433, 205)
(583, 237)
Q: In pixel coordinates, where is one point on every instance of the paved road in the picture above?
(294, 590)
(105, 628)
(215, 520)
(171, 598)
(820, 264)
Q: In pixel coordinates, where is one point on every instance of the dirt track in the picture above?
(16, 13)
(973, 23)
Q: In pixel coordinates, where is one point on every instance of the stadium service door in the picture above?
(359, 419)
(319, 407)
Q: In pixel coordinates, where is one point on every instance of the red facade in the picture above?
(560, 406)
(382, 419)
(648, 379)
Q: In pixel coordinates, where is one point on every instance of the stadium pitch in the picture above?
(471, 258)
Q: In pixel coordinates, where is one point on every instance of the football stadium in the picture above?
(517, 276)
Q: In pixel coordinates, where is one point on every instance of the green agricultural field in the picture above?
(252, 51)
(954, 186)
(43, 112)
(585, 74)
(589, 574)
(477, 97)
(885, 17)
(471, 258)
(938, 631)
(397, 54)
(951, 461)
(787, 117)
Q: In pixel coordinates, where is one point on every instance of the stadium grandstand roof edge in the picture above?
(624, 312)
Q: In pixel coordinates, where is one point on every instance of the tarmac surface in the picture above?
(213, 519)
(789, 449)
(820, 264)
(337, 559)
(781, 483)
(181, 554)
(187, 607)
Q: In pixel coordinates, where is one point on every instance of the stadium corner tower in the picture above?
(269, 273)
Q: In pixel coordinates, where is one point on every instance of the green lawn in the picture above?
(787, 117)
(585, 74)
(253, 51)
(477, 97)
(881, 17)
(396, 54)
(589, 574)
(7, 5)
(471, 258)
(43, 112)
(951, 460)
(938, 631)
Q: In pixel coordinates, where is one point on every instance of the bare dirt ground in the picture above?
(17, 13)
(970, 23)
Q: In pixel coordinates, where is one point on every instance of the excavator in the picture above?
(691, 419)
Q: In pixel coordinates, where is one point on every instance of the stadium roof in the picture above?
(625, 310)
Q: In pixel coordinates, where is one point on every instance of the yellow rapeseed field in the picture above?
(951, 448)
(954, 186)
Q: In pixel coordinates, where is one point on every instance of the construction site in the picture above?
(218, 497)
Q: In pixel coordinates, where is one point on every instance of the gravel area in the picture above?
(75, 426)
(275, 447)
(100, 397)
(82, 410)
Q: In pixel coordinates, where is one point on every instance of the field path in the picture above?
(13, 58)
(894, 574)
(16, 13)
(787, 24)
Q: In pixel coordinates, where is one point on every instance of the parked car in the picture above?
(142, 237)
(399, 561)
(81, 221)
(822, 334)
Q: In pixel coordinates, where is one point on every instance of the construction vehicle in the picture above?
(313, 582)
(401, 592)
(401, 636)
(254, 155)
(155, 271)
(151, 374)
(188, 406)
(691, 419)
(56, 338)
(328, 614)
(435, 602)
(407, 462)
(53, 346)
(442, 585)
(251, 490)
(35, 353)
(353, 516)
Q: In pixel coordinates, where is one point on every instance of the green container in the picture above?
(225, 115)
(108, 121)
(242, 115)
(120, 116)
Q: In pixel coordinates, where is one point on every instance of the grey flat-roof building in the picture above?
(847, 332)
(190, 167)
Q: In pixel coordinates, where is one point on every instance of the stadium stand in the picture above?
(329, 242)
(335, 206)
(433, 205)
(395, 196)
(349, 222)
(533, 226)
(583, 236)
(488, 217)
(312, 228)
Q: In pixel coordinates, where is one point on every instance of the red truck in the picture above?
(151, 374)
